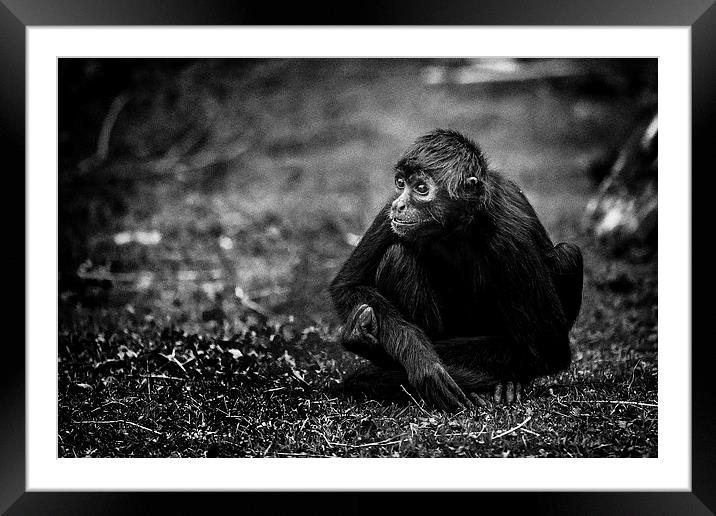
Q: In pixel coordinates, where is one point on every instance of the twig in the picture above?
(415, 401)
(202, 160)
(617, 402)
(108, 124)
(530, 431)
(117, 421)
(162, 377)
(384, 442)
(143, 427)
(372, 444)
(108, 403)
(268, 448)
(251, 305)
(178, 157)
(149, 384)
(633, 372)
(177, 152)
(297, 375)
(472, 435)
(512, 429)
(329, 443)
(300, 454)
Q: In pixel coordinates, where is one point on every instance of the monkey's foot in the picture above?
(507, 392)
(439, 389)
(478, 400)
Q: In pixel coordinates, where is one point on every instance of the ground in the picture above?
(196, 249)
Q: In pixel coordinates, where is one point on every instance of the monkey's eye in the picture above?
(399, 183)
(421, 188)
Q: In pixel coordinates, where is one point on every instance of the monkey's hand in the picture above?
(438, 388)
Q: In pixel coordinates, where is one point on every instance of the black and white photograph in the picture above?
(357, 257)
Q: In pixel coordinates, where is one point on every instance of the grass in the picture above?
(130, 386)
(214, 337)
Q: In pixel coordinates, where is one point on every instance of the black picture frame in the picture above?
(17, 15)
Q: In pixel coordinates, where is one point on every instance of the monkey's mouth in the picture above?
(403, 222)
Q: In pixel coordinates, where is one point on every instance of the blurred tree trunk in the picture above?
(623, 213)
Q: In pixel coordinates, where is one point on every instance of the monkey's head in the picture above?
(436, 181)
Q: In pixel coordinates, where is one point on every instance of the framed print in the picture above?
(426, 251)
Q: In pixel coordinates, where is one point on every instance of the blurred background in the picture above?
(226, 193)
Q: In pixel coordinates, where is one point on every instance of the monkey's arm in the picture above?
(355, 287)
(530, 307)
(526, 295)
(404, 343)
(355, 282)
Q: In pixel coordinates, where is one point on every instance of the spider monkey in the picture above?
(456, 286)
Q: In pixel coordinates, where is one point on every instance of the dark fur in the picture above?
(482, 294)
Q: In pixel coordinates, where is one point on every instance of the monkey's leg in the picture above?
(404, 312)
(401, 280)
(485, 363)
(464, 359)
(389, 384)
(567, 267)
(381, 379)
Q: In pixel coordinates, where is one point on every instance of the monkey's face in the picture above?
(418, 209)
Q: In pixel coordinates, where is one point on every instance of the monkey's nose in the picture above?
(398, 207)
